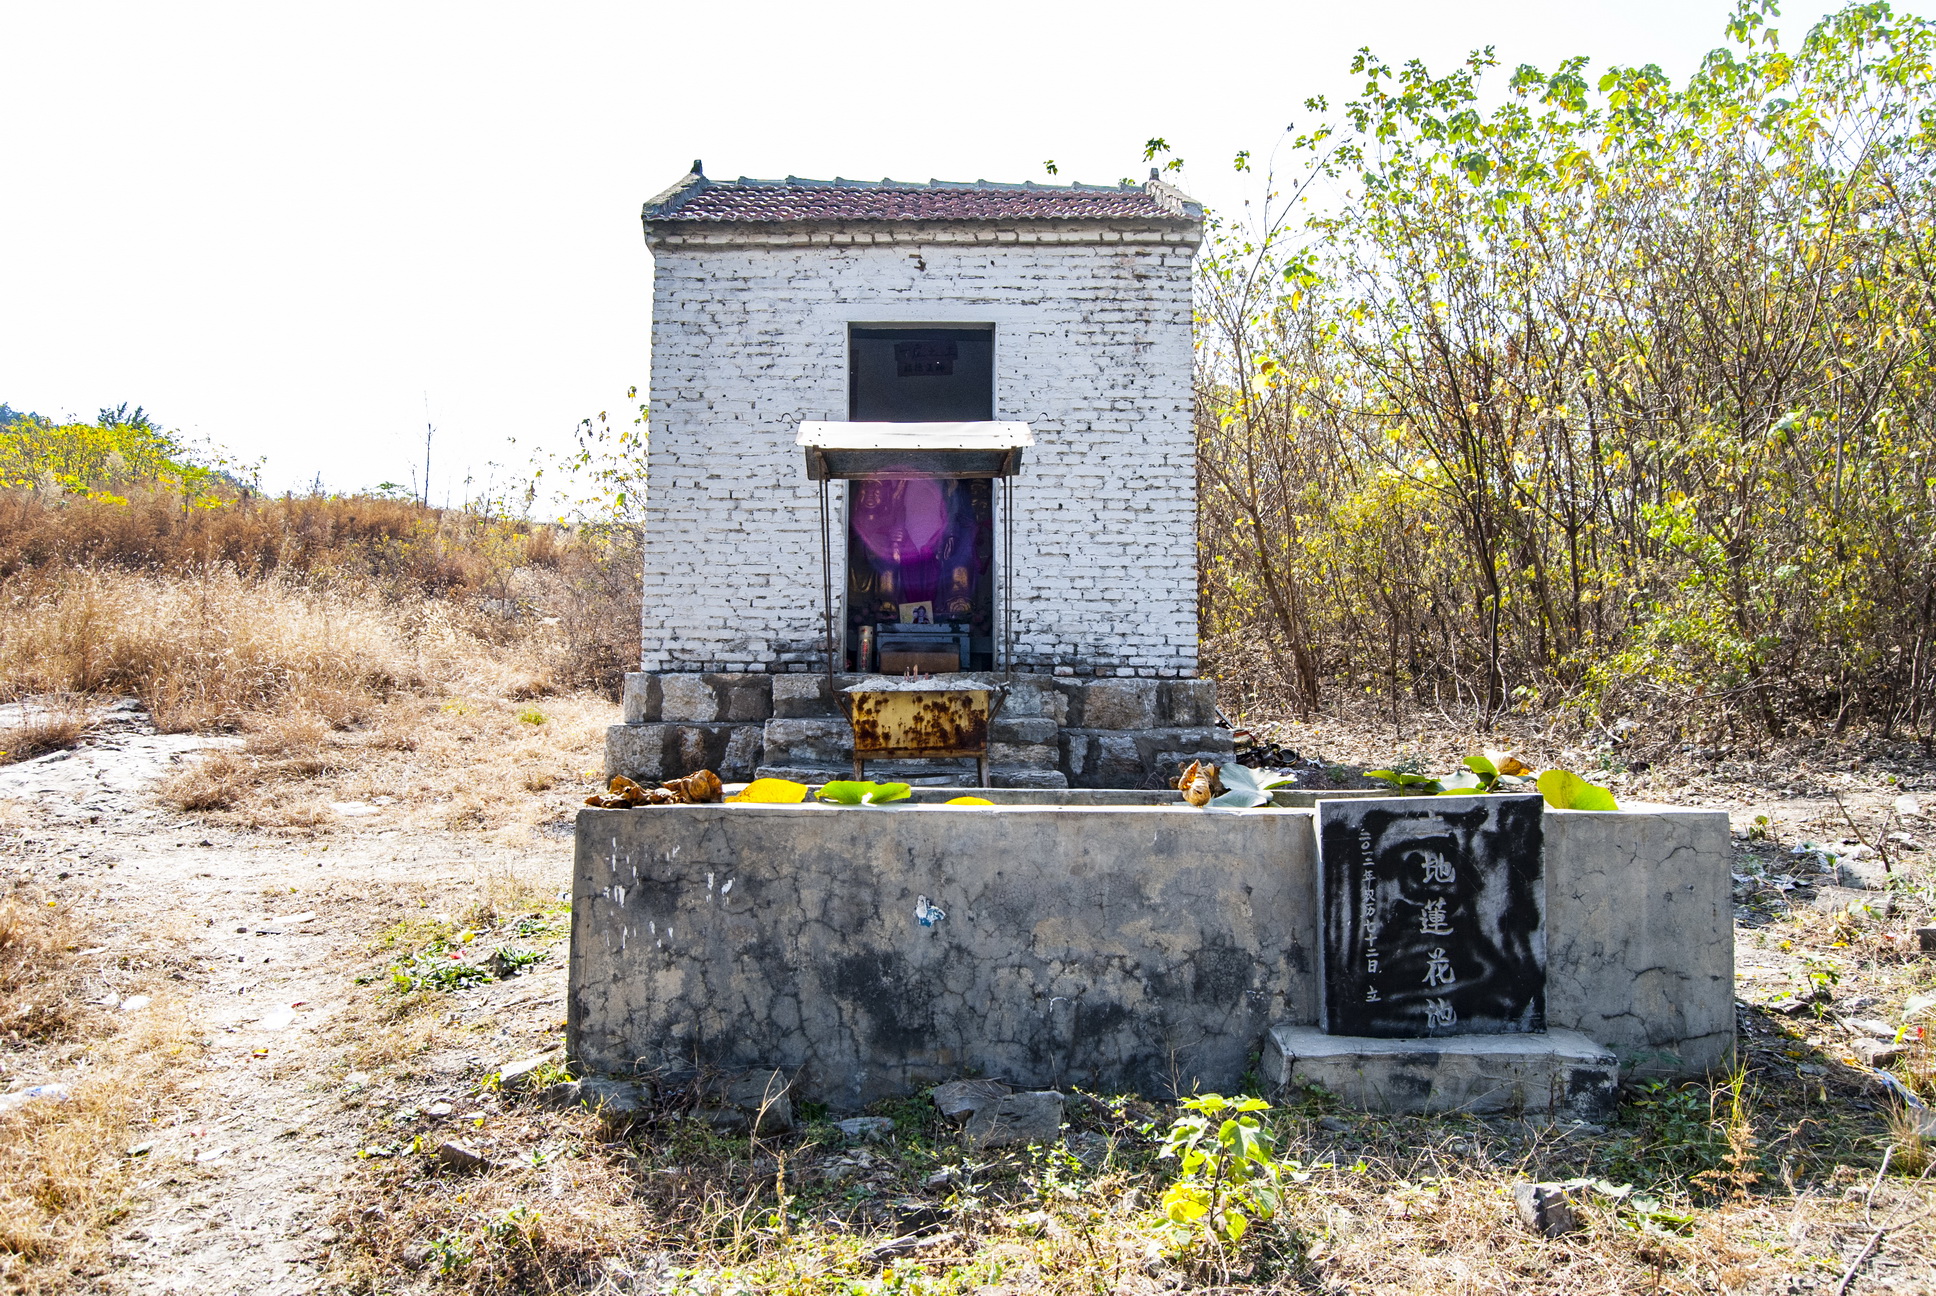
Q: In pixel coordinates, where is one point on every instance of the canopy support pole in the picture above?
(827, 588)
(1008, 575)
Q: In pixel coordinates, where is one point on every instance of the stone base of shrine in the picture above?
(1051, 733)
(1560, 1074)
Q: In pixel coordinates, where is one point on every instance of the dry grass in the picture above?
(48, 729)
(338, 575)
(411, 762)
(1373, 1205)
(65, 1173)
(340, 695)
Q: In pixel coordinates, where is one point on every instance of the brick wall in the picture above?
(1092, 349)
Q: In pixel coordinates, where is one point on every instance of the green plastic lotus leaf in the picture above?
(1420, 783)
(1240, 799)
(1244, 778)
(850, 792)
(1565, 790)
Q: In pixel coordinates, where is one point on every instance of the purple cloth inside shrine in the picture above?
(917, 537)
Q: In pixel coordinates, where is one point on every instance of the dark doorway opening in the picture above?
(920, 574)
(921, 375)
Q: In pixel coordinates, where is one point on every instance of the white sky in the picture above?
(279, 226)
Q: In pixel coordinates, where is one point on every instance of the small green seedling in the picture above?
(1228, 1172)
(1420, 784)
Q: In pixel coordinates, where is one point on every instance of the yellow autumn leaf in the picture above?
(772, 791)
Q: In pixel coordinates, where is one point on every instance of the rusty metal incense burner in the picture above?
(921, 719)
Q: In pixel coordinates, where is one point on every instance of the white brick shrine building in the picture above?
(780, 303)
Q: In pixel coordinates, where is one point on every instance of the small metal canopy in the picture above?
(876, 451)
(870, 451)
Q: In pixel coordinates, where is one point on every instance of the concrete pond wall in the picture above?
(1117, 947)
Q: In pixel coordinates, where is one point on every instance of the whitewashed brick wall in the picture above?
(1092, 350)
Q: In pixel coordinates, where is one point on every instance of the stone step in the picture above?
(953, 774)
(1554, 1073)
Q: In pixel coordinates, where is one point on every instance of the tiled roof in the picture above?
(696, 198)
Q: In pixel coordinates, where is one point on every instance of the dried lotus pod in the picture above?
(1197, 783)
(620, 786)
(704, 785)
(660, 796)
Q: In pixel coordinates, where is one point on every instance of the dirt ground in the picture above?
(254, 939)
(267, 1143)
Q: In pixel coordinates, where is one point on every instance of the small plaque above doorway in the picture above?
(1433, 913)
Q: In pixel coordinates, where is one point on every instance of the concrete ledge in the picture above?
(870, 952)
(1559, 1073)
(1640, 934)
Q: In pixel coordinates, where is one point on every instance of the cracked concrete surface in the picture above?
(1640, 934)
(1119, 948)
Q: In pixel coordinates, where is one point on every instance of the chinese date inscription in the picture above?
(1433, 916)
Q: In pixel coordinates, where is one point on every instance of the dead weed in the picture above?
(43, 731)
(67, 1171)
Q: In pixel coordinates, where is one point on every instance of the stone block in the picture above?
(1640, 934)
(1044, 779)
(1550, 1209)
(636, 751)
(1100, 759)
(461, 1158)
(1036, 755)
(1023, 729)
(1188, 704)
(797, 697)
(1035, 698)
(811, 775)
(744, 697)
(1163, 750)
(761, 1099)
(652, 753)
(1016, 1120)
(808, 742)
(687, 697)
(745, 750)
(1862, 874)
(1557, 1073)
(1860, 901)
(1113, 704)
(641, 697)
(1122, 758)
(960, 1099)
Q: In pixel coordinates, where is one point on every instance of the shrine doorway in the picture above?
(920, 574)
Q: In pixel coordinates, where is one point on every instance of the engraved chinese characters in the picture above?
(1433, 916)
